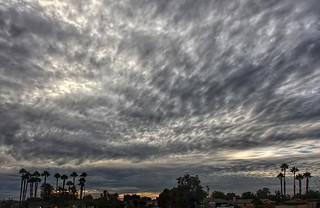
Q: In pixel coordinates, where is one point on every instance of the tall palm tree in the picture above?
(307, 175)
(69, 184)
(45, 174)
(82, 181)
(299, 177)
(36, 176)
(83, 175)
(38, 180)
(26, 176)
(64, 178)
(32, 180)
(57, 176)
(22, 172)
(284, 167)
(294, 170)
(280, 176)
(74, 175)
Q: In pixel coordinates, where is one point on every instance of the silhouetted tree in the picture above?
(46, 191)
(45, 174)
(187, 194)
(81, 184)
(263, 194)
(299, 177)
(307, 175)
(280, 176)
(83, 175)
(57, 176)
(69, 184)
(294, 170)
(247, 195)
(64, 178)
(23, 179)
(218, 195)
(284, 167)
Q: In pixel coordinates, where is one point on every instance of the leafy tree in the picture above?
(164, 198)
(230, 196)
(46, 191)
(186, 194)
(218, 195)
(294, 170)
(189, 190)
(263, 194)
(312, 194)
(107, 200)
(247, 195)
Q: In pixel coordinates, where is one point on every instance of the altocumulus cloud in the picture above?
(139, 92)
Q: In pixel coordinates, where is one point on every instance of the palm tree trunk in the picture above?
(25, 190)
(281, 186)
(35, 189)
(57, 185)
(31, 189)
(284, 182)
(81, 190)
(307, 186)
(294, 184)
(300, 187)
(21, 189)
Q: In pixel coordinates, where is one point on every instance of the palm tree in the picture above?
(84, 175)
(57, 176)
(82, 181)
(284, 167)
(74, 175)
(280, 176)
(294, 170)
(38, 180)
(69, 184)
(307, 175)
(64, 178)
(32, 180)
(36, 176)
(299, 177)
(26, 176)
(22, 172)
(45, 174)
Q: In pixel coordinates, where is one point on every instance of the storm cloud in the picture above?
(134, 89)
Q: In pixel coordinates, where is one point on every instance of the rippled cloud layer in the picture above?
(136, 89)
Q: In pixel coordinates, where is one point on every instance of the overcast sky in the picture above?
(139, 92)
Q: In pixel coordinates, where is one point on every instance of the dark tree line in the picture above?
(188, 193)
(30, 183)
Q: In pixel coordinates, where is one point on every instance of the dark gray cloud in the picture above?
(228, 88)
